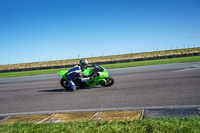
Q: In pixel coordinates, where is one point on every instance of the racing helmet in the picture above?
(83, 63)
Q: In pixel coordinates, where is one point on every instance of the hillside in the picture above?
(102, 59)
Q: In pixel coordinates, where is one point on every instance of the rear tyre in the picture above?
(110, 82)
(65, 84)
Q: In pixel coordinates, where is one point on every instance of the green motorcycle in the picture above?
(100, 74)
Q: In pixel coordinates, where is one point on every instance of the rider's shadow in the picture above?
(64, 90)
(53, 90)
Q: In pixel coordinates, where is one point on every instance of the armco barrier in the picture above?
(107, 62)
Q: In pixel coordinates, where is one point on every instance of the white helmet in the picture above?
(83, 63)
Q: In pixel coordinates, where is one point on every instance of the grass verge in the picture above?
(172, 124)
(107, 66)
(153, 62)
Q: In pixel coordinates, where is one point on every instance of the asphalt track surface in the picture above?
(156, 86)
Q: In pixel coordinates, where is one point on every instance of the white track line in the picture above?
(188, 69)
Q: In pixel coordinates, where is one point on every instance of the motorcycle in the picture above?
(100, 74)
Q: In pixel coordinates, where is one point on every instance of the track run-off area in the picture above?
(156, 86)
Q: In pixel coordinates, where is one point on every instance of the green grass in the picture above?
(29, 73)
(153, 62)
(107, 66)
(172, 124)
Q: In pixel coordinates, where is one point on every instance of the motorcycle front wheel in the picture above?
(110, 82)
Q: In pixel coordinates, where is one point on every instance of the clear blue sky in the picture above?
(41, 30)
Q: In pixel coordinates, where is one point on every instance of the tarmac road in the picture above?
(154, 86)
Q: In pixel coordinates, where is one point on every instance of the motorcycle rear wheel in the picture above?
(65, 84)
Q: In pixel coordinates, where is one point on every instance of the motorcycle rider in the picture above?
(76, 72)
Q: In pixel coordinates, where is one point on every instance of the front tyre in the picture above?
(65, 84)
(110, 82)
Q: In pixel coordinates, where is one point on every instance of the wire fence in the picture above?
(92, 55)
